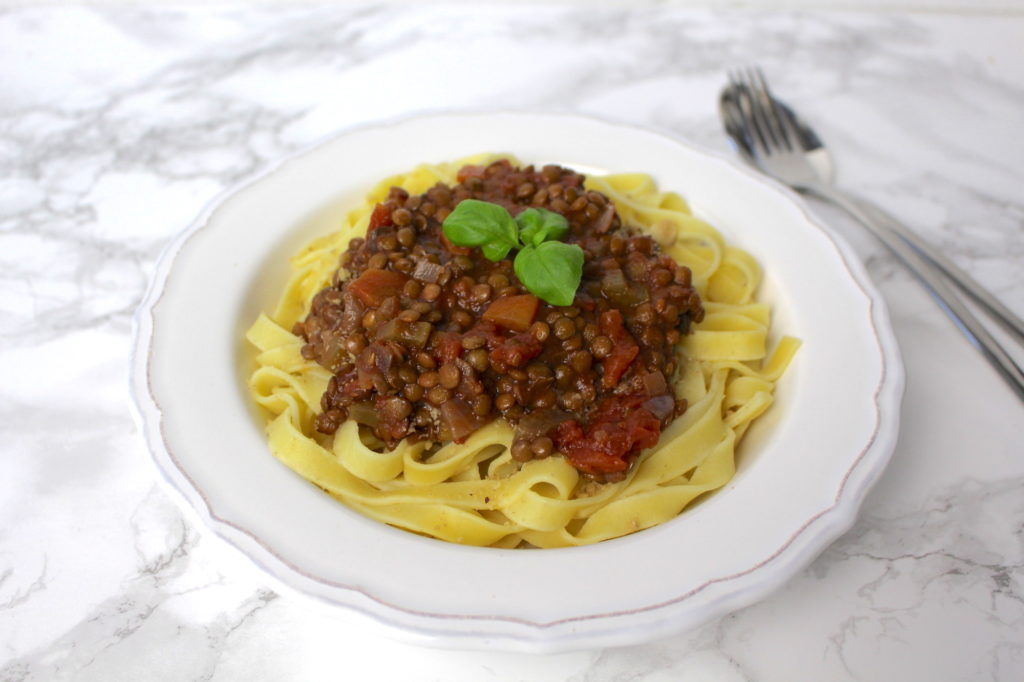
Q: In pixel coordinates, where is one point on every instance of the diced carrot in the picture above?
(373, 286)
(513, 312)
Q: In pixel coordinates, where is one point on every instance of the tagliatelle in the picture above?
(475, 493)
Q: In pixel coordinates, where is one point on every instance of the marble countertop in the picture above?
(117, 125)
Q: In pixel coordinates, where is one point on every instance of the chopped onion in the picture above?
(363, 413)
(459, 418)
(427, 272)
(613, 283)
(604, 221)
(385, 353)
(661, 406)
(410, 333)
(353, 312)
(540, 422)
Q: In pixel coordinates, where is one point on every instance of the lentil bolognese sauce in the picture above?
(430, 341)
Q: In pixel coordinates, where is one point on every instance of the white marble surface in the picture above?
(118, 124)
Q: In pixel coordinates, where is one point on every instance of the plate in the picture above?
(802, 471)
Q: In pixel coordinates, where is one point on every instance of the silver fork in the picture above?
(773, 139)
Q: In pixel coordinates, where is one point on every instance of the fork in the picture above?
(774, 140)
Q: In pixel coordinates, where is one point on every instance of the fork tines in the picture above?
(772, 127)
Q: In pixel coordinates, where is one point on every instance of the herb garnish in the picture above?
(549, 268)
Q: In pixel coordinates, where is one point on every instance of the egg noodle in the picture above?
(474, 493)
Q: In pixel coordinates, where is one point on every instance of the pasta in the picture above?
(475, 493)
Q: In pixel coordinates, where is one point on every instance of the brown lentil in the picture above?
(409, 315)
(438, 395)
(581, 361)
(482, 405)
(542, 447)
(408, 374)
(431, 292)
(402, 216)
(564, 328)
(522, 451)
(478, 360)
(429, 379)
(449, 375)
(472, 342)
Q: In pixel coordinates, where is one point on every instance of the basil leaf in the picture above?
(537, 225)
(479, 223)
(551, 270)
(497, 251)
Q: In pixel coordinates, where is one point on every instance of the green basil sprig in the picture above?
(549, 268)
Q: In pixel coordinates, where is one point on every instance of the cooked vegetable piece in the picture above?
(624, 350)
(620, 429)
(363, 413)
(380, 217)
(513, 312)
(373, 286)
(415, 334)
(459, 418)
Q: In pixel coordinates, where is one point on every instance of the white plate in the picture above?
(802, 473)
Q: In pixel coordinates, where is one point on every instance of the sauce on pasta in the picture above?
(499, 468)
(430, 341)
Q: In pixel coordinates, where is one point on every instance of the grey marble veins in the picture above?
(118, 124)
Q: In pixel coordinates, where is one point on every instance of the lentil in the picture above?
(449, 375)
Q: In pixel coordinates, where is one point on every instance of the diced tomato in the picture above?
(513, 312)
(373, 286)
(446, 346)
(616, 364)
(380, 217)
(624, 350)
(619, 429)
(611, 324)
(517, 350)
(586, 454)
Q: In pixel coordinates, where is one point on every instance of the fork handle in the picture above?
(1010, 321)
(933, 281)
